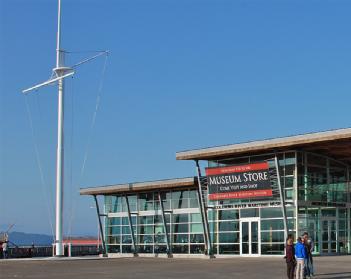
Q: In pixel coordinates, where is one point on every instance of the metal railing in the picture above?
(46, 251)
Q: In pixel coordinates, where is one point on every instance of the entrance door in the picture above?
(329, 236)
(250, 237)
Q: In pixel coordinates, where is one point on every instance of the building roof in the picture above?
(334, 143)
(139, 186)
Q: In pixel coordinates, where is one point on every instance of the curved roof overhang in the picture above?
(334, 144)
(128, 188)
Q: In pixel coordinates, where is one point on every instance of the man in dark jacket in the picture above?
(290, 258)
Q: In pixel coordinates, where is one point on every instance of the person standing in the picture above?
(300, 254)
(310, 248)
(290, 258)
(4, 250)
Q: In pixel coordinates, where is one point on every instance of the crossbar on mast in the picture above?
(48, 82)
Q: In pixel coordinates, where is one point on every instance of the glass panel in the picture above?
(329, 212)
(115, 230)
(145, 239)
(115, 221)
(197, 238)
(145, 249)
(325, 236)
(333, 247)
(273, 212)
(275, 224)
(342, 224)
(146, 201)
(251, 212)
(254, 231)
(245, 247)
(228, 226)
(228, 237)
(180, 249)
(245, 231)
(194, 228)
(127, 249)
(160, 249)
(180, 218)
(325, 246)
(180, 238)
(114, 248)
(126, 239)
(125, 230)
(197, 249)
(180, 228)
(272, 236)
(195, 217)
(229, 249)
(254, 248)
(228, 214)
(180, 199)
(160, 238)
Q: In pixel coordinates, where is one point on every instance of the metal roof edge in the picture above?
(264, 144)
(138, 186)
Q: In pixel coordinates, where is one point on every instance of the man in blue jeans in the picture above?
(300, 254)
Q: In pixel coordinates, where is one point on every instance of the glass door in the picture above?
(329, 236)
(250, 237)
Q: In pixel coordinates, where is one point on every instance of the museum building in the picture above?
(244, 201)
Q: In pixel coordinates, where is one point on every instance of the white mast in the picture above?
(60, 73)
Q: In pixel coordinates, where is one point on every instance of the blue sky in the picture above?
(180, 75)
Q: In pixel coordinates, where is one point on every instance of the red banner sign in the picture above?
(239, 182)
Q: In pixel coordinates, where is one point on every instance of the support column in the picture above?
(104, 251)
(169, 250)
(282, 197)
(296, 186)
(131, 226)
(348, 213)
(203, 211)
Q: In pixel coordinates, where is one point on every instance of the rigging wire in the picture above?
(92, 125)
(69, 232)
(39, 164)
(97, 104)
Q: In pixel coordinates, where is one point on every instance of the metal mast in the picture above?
(60, 72)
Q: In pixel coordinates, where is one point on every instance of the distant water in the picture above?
(22, 239)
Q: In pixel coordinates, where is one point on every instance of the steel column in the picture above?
(348, 213)
(282, 198)
(169, 250)
(100, 225)
(203, 211)
(131, 225)
(296, 186)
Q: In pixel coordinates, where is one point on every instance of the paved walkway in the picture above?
(338, 267)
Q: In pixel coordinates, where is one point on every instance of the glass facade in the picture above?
(324, 199)
(317, 200)
(182, 219)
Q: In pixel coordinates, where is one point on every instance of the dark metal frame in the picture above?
(131, 226)
(203, 211)
(169, 249)
(282, 197)
(100, 225)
